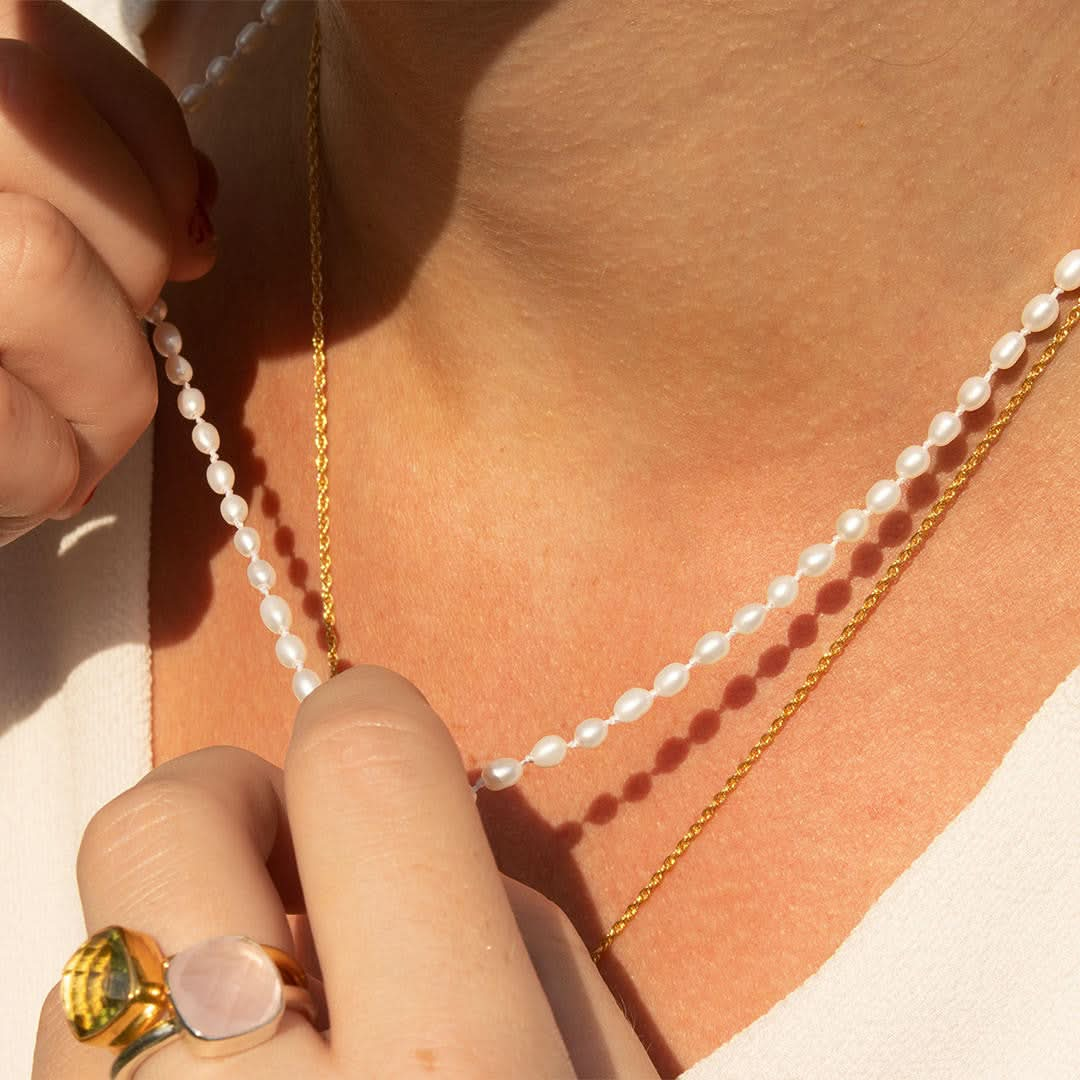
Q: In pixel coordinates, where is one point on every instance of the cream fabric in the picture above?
(967, 967)
(74, 723)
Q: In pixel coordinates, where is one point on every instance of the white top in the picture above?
(967, 966)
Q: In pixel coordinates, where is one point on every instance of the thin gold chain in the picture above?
(318, 354)
(873, 598)
(326, 580)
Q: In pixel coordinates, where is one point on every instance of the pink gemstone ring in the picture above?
(221, 996)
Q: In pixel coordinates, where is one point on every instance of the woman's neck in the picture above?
(665, 221)
(691, 209)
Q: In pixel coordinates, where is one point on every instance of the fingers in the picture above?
(418, 945)
(42, 457)
(59, 1056)
(52, 143)
(77, 383)
(137, 107)
(597, 1033)
(182, 857)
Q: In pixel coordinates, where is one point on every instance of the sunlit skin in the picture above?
(625, 304)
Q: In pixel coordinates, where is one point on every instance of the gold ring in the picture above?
(221, 996)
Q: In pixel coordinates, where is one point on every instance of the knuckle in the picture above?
(140, 819)
(367, 719)
(362, 737)
(39, 247)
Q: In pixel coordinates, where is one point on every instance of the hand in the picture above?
(431, 960)
(98, 189)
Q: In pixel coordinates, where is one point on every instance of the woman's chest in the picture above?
(529, 627)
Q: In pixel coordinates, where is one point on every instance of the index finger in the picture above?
(134, 102)
(417, 942)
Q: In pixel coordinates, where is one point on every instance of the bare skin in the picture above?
(618, 322)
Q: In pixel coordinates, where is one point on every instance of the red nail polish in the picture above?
(200, 231)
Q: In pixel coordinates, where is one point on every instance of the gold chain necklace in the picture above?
(873, 598)
(318, 354)
(883, 585)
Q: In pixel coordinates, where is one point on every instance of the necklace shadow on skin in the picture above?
(528, 847)
(540, 853)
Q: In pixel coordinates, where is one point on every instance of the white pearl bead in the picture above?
(632, 705)
(275, 614)
(1008, 349)
(974, 393)
(852, 525)
(884, 495)
(944, 428)
(748, 618)
(261, 574)
(501, 773)
(191, 403)
(250, 37)
(218, 70)
(782, 591)
(711, 647)
(167, 339)
(193, 97)
(1067, 271)
(246, 541)
(549, 751)
(671, 680)
(234, 509)
(290, 651)
(913, 461)
(1040, 312)
(178, 370)
(220, 476)
(158, 310)
(205, 437)
(816, 559)
(271, 11)
(303, 682)
(590, 733)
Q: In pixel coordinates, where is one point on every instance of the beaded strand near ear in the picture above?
(219, 69)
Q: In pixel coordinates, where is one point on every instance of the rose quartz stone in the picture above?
(224, 987)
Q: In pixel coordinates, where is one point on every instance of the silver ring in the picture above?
(134, 1055)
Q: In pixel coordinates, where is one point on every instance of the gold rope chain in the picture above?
(843, 639)
(318, 354)
(326, 580)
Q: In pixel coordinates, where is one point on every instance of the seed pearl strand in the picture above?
(220, 477)
(219, 69)
(1040, 313)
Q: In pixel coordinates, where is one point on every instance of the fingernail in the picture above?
(200, 231)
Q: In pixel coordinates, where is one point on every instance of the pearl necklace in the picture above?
(1040, 313)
